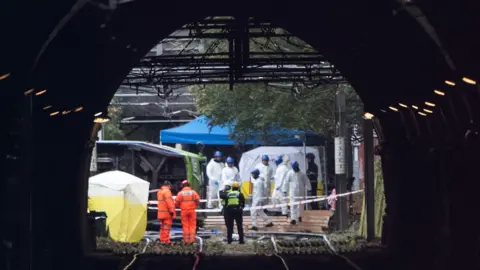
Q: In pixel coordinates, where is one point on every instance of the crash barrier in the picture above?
(269, 206)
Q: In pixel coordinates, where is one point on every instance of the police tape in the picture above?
(263, 198)
(270, 206)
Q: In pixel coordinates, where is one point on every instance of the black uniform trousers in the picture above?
(234, 214)
(314, 193)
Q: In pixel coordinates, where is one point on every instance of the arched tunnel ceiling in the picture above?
(454, 23)
(387, 57)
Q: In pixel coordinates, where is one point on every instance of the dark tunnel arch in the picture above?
(387, 58)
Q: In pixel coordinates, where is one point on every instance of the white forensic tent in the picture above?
(253, 157)
(124, 198)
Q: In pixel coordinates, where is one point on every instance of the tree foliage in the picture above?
(257, 108)
(112, 130)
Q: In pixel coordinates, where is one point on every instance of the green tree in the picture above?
(112, 130)
(256, 108)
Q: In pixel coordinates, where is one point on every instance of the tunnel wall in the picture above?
(429, 166)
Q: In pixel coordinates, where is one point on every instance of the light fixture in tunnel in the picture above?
(4, 76)
(393, 109)
(41, 92)
(429, 104)
(368, 115)
(469, 81)
(128, 118)
(28, 92)
(415, 107)
(66, 112)
(78, 109)
(98, 114)
(54, 113)
(403, 105)
(450, 83)
(383, 110)
(101, 120)
(438, 92)
(427, 110)
(422, 114)
(47, 107)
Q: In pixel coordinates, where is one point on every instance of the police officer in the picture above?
(223, 195)
(312, 174)
(234, 204)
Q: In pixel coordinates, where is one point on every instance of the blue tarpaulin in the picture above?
(199, 130)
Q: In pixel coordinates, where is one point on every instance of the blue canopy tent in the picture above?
(199, 130)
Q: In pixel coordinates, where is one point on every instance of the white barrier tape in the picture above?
(263, 198)
(304, 201)
(202, 200)
(299, 197)
(216, 200)
(275, 205)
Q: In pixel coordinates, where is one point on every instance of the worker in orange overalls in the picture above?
(166, 211)
(188, 200)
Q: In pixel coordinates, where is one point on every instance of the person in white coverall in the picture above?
(258, 192)
(229, 174)
(298, 185)
(279, 193)
(214, 174)
(266, 172)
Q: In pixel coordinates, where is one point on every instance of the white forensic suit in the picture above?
(229, 174)
(258, 192)
(266, 171)
(280, 179)
(298, 185)
(214, 173)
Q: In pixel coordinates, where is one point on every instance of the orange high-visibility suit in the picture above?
(188, 200)
(166, 213)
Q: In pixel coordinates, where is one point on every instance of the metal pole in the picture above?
(349, 159)
(369, 177)
(304, 156)
(324, 173)
(306, 206)
(30, 188)
(101, 133)
(340, 164)
(133, 162)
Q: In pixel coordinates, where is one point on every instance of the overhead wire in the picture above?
(267, 45)
(270, 44)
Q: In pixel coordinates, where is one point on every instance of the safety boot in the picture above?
(293, 222)
(300, 219)
(253, 228)
(269, 225)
